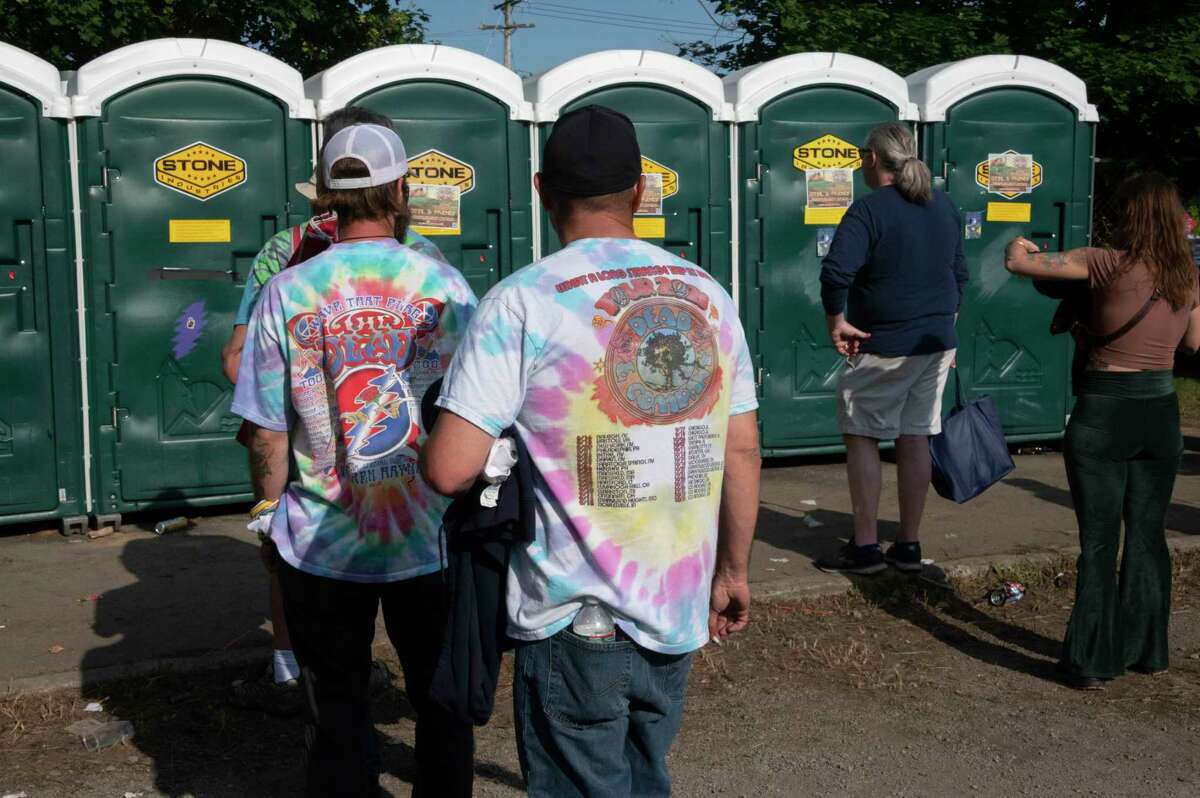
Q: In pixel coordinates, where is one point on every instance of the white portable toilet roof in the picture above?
(936, 88)
(749, 89)
(566, 82)
(124, 68)
(39, 79)
(337, 86)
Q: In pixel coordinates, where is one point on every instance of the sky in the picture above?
(569, 28)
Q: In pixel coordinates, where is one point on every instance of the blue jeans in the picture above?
(597, 718)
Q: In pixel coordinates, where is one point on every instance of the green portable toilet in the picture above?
(1011, 139)
(800, 122)
(189, 152)
(41, 440)
(466, 127)
(682, 118)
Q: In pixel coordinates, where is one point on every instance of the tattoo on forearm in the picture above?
(260, 468)
(1054, 260)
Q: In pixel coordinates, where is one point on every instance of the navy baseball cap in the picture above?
(591, 151)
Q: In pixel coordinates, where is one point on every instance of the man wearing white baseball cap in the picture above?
(339, 351)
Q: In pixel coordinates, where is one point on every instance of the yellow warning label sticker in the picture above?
(1011, 161)
(826, 152)
(198, 231)
(1009, 211)
(650, 227)
(823, 215)
(436, 168)
(670, 178)
(200, 170)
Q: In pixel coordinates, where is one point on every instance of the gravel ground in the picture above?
(903, 687)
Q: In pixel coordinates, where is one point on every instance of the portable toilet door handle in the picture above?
(19, 276)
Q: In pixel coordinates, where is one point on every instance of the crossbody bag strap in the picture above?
(1098, 341)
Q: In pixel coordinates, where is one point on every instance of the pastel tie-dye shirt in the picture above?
(339, 351)
(275, 254)
(620, 365)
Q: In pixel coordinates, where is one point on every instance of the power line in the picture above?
(717, 22)
(627, 18)
(626, 25)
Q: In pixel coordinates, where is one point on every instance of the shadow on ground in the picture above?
(1182, 518)
(927, 602)
(197, 743)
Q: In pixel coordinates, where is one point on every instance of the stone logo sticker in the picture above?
(1015, 174)
(826, 152)
(670, 178)
(200, 170)
(436, 168)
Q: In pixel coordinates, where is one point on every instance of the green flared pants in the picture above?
(1122, 452)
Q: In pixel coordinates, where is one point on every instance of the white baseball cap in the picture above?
(376, 147)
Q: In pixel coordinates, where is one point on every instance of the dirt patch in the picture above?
(906, 685)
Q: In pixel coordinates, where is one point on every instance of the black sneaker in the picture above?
(904, 556)
(852, 559)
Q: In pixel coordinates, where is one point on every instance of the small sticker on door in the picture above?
(824, 240)
(972, 225)
(650, 227)
(436, 209)
(652, 196)
(200, 171)
(198, 231)
(1009, 211)
(1009, 174)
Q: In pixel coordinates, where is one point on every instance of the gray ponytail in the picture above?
(896, 148)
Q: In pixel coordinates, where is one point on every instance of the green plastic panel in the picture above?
(41, 466)
(160, 309)
(1005, 349)
(676, 132)
(779, 263)
(474, 140)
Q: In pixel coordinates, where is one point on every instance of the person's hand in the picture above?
(269, 555)
(847, 339)
(729, 608)
(1017, 247)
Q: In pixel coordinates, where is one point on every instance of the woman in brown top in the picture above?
(1123, 441)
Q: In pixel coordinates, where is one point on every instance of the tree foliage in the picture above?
(308, 34)
(1141, 61)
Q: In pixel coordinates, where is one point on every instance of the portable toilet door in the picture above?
(681, 117)
(465, 125)
(1012, 139)
(189, 153)
(41, 460)
(801, 120)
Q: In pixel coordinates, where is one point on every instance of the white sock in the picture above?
(286, 667)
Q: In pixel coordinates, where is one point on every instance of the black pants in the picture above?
(332, 625)
(1122, 452)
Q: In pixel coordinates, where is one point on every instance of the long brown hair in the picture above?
(1149, 227)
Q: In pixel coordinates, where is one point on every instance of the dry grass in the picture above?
(18, 712)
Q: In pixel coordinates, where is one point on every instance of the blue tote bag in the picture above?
(970, 453)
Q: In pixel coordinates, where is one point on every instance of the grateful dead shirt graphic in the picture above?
(661, 362)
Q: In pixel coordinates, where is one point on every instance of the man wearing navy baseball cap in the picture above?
(626, 373)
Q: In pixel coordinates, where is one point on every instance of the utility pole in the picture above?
(508, 27)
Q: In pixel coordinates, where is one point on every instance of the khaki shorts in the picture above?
(886, 397)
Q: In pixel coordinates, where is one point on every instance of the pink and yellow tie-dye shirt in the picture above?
(339, 351)
(620, 365)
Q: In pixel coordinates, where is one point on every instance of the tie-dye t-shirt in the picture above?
(275, 254)
(620, 365)
(339, 352)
